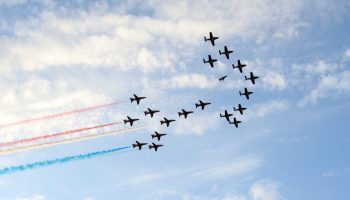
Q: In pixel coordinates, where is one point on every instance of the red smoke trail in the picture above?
(55, 135)
(59, 115)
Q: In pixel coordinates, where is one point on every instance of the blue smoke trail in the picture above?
(19, 168)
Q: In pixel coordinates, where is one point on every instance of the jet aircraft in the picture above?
(235, 122)
(226, 115)
(252, 77)
(222, 78)
(210, 61)
(211, 38)
(150, 112)
(157, 135)
(136, 98)
(226, 52)
(184, 113)
(166, 121)
(138, 145)
(239, 66)
(202, 104)
(240, 109)
(155, 146)
(246, 93)
(130, 120)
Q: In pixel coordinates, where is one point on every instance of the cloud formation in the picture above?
(333, 86)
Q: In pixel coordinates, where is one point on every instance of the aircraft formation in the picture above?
(165, 121)
(48, 140)
(200, 104)
(245, 92)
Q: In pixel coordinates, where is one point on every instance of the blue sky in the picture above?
(292, 144)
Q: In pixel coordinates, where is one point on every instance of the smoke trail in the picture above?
(59, 114)
(66, 141)
(19, 168)
(54, 135)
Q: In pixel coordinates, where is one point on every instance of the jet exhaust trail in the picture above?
(59, 115)
(54, 135)
(66, 141)
(19, 168)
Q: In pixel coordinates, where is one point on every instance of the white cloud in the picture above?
(331, 12)
(3, 184)
(270, 107)
(111, 39)
(197, 124)
(328, 86)
(347, 53)
(12, 2)
(93, 41)
(274, 80)
(234, 197)
(238, 167)
(247, 19)
(189, 81)
(321, 79)
(260, 190)
(321, 67)
(265, 190)
(32, 197)
(328, 174)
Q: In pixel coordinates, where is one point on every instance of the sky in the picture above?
(293, 142)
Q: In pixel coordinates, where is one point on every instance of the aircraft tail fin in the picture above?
(134, 145)
(205, 39)
(145, 113)
(179, 114)
(197, 105)
(153, 136)
(204, 61)
(220, 52)
(125, 121)
(150, 146)
(131, 100)
(245, 77)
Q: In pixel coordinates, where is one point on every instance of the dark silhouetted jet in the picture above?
(137, 99)
(202, 104)
(211, 38)
(222, 78)
(155, 146)
(226, 115)
(157, 135)
(246, 93)
(210, 61)
(226, 52)
(184, 113)
(130, 120)
(166, 121)
(240, 109)
(239, 66)
(150, 112)
(138, 144)
(252, 77)
(235, 122)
